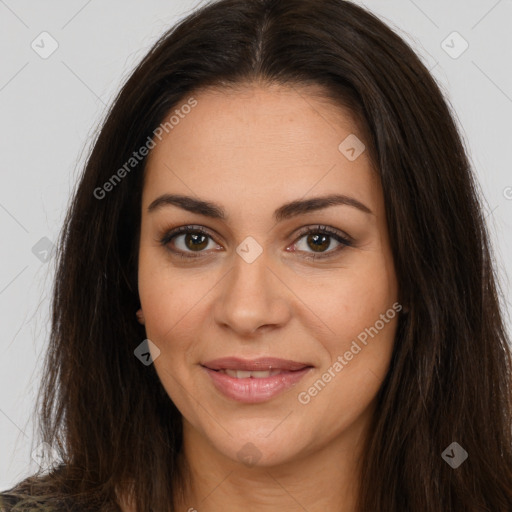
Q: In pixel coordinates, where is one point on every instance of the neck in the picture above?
(322, 479)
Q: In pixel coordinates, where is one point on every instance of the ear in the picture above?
(140, 316)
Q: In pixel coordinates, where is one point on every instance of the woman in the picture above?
(275, 287)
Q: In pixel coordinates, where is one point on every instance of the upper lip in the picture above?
(260, 364)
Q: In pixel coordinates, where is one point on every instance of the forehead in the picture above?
(259, 140)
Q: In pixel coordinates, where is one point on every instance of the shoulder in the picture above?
(33, 493)
(14, 502)
(7, 502)
(19, 500)
(51, 493)
(28, 499)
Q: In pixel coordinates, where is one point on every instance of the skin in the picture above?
(252, 150)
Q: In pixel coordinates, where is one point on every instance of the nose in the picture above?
(252, 298)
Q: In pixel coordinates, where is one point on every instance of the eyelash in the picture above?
(320, 229)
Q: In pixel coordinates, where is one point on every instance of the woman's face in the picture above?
(247, 287)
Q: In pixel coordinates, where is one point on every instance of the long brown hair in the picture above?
(449, 380)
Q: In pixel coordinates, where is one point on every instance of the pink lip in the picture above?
(262, 363)
(254, 390)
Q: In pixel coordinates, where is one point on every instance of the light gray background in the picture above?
(50, 108)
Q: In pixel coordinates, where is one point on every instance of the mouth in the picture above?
(244, 374)
(256, 380)
(255, 366)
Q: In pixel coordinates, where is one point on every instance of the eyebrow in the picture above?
(286, 211)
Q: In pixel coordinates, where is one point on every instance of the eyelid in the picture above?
(341, 237)
(316, 228)
(170, 234)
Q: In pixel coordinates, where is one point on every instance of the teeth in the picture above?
(243, 374)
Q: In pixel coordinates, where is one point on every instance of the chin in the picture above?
(254, 451)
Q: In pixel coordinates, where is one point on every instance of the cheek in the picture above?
(361, 312)
(351, 301)
(169, 299)
(170, 306)
(359, 355)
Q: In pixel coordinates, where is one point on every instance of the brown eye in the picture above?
(318, 239)
(318, 242)
(192, 242)
(186, 240)
(195, 241)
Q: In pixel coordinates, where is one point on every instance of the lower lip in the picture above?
(252, 390)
